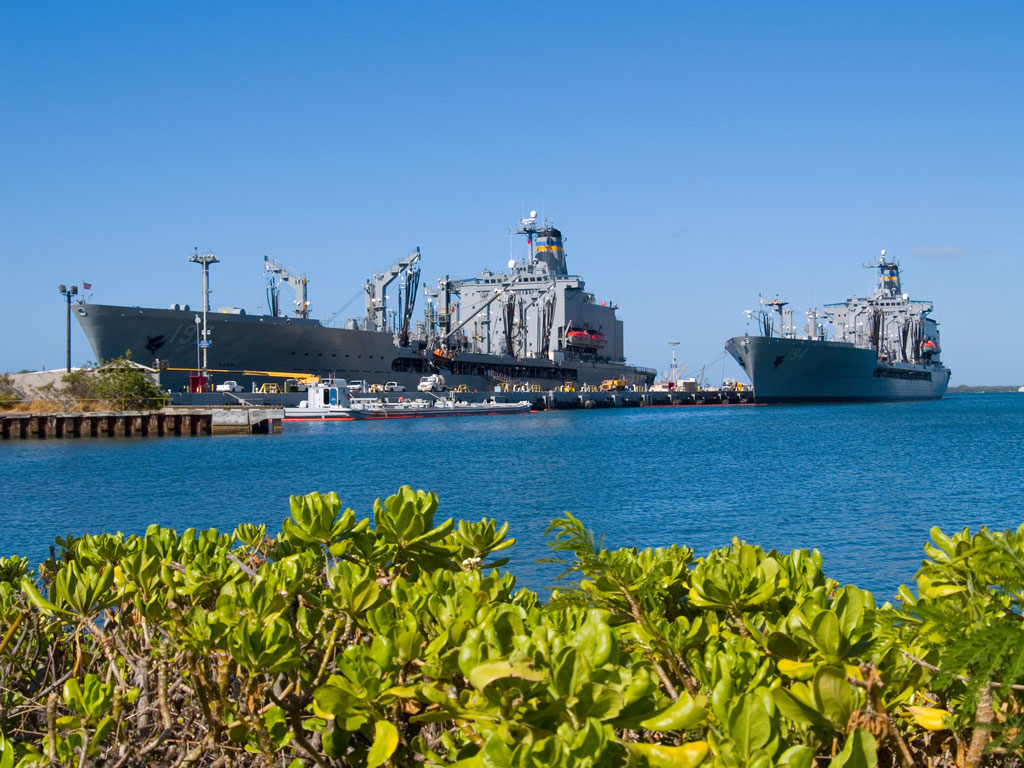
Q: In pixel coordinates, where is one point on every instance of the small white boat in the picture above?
(331, 401)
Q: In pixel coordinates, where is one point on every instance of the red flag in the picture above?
(87, 286)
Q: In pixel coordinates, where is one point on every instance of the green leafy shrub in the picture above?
(119, 381)
(397, 640)
(9, 395)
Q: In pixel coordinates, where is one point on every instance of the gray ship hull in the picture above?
(253, 349)
(784, 370)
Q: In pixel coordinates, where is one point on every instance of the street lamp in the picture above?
(198, 366)
(206, 259)
(68, 292)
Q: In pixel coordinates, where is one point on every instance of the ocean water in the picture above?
(861, 483)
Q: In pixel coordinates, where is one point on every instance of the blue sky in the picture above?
(695, 154)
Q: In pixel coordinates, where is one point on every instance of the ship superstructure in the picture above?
(882, 347)
(534, 324)
(534, 310)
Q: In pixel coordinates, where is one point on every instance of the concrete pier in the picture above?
(168, 422)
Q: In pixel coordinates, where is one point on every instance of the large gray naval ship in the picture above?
(532, 324)
(885, 347)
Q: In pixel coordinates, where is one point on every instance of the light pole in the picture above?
(68, 292)
(206, 259)
(198, 365)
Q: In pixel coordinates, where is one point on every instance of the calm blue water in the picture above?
(863, 483)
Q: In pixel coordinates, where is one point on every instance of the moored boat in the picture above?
(332, 401)
(883, 347)
(511, 326)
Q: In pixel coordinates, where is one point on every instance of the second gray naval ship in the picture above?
(884, 347)
(532, 325)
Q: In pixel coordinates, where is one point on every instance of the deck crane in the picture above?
(499, 293)
(376, 300)
(286, 275)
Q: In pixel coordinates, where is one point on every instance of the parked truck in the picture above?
(432, 383)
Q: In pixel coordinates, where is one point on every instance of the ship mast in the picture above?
(674, 378)
(888, 276)
(528, 227)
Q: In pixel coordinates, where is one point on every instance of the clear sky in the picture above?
(695, 154)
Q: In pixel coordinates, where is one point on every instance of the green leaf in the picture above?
(598, 701)
(685, 712)
(825, 631)
(484, 674)
(687, 755)
(6, 753)
(104, 727)
(796, 709)
(835, 695)
(750, 725)
(799, 756)
(385, 742)
(783, 646)
(37, 599)
(796, 670)
(860, 751)
(73, 696)
(332, 701)
(336, 741)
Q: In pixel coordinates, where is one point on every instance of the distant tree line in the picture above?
(964, 389)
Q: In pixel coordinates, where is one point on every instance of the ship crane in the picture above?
(778, 306)
(376, 301)
(498, 293)
(546, 300)
(407, 299)
(297, 282)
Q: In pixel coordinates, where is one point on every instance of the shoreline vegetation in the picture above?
(117, 385)
(401, 640)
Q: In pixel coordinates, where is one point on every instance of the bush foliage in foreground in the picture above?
(401, 642)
